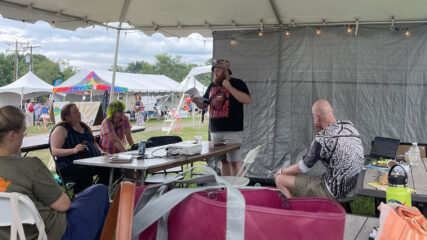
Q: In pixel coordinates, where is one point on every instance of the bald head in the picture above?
(323, 114)
(322, 108)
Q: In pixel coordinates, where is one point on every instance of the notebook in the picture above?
(121, 158)
(384, 147)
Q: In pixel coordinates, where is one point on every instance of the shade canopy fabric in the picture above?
(92, 82)
(180, 18)
(131, 81)
(190, 81)
(29, 83)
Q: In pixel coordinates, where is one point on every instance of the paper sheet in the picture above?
(196, 95)
(193, 92)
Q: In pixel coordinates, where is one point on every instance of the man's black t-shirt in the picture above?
(225, 112)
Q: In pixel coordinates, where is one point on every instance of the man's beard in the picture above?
(219, 79)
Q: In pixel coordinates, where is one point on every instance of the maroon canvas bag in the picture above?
(268, 215)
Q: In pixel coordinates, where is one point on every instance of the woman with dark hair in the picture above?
(72, 139)
(115, 129)
(81, 219)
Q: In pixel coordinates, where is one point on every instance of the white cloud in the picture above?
(87, 48)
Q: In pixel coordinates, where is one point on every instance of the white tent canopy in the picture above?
(180, 18)
(132, 81)
(190, 80)
(29, 85)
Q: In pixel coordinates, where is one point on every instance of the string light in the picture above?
(260, 33)
(319, 31)
(52, 24)
(349, 30)
(288, 32)
(93, 28)
(407, 33)
(233, 41)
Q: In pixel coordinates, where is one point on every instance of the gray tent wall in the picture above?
(376, 79)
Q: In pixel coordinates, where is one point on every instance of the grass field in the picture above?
(361, 206)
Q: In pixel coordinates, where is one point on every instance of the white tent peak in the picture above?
(29, 83)
(192, 81)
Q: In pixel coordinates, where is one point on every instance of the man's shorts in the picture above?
(229, 137)
(309, 186)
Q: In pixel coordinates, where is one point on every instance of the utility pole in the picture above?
(17, 50)
(16, 60)
(31, 54)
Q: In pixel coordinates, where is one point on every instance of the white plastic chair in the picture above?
(17, 209)
(240, 179)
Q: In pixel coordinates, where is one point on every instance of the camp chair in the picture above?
(66, 183)
(240, 179)
(17, 209)
(162, 176)
(120, 215)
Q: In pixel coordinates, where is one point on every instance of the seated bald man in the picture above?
(338, 146)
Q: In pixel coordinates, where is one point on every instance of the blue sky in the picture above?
(94, 47)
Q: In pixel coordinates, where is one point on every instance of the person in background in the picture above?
(37, 111)
(158, 108)
(72, 139)
(83, 218)
(44, 116)
(115, 129)
(226, 96)
(338, 146)
(29, 113)
(138, 110)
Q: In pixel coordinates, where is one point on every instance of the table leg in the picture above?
(110, 183)
(143, 176)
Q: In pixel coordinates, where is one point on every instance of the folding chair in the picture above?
(120, 216)
(66, 183)
(240, 179)
(17, 209)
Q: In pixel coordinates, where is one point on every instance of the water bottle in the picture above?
(414, 155)
(397, 192)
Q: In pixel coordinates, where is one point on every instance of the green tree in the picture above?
(43, 67)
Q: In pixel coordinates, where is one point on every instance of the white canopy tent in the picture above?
(149, 85)
(28, 85)
(190, 81)
(134, 82)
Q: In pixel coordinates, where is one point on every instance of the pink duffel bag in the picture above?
(267, 214)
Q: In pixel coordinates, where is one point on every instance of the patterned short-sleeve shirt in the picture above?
(340, 149)
(119, 129)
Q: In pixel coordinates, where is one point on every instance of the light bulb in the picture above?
(233, 41)
(349, 30)
(318, 31)
(288, 32)
(260, 33)
(407, 33)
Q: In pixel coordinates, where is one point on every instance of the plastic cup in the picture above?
(198, 139)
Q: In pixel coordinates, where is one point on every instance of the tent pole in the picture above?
(115, 64)
(116, 52)
(126, 101)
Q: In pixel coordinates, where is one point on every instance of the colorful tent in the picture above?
(90, 83)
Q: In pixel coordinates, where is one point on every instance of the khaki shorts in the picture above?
(229, 137)
(309, 186)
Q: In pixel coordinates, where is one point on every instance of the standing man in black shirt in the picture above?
(226, 98)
